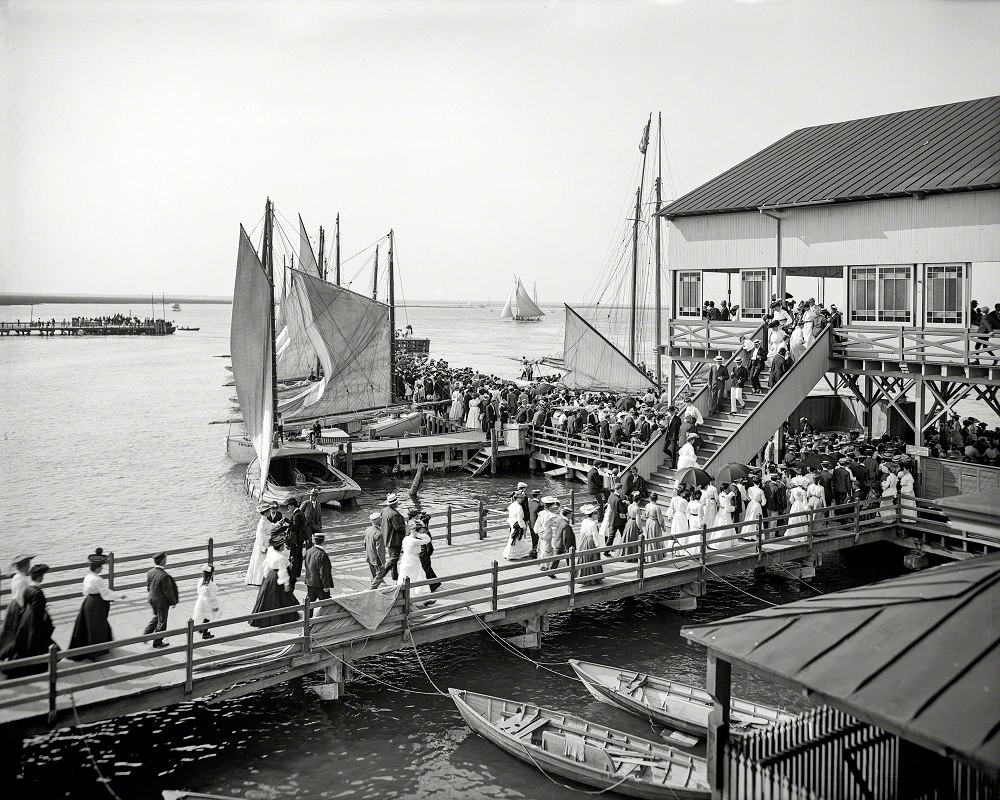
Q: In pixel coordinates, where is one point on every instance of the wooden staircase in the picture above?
(717, 428)
(479, 463)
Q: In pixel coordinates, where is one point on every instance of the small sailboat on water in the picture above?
(519, 306)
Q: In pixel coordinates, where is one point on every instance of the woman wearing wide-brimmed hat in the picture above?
(19, 581)
(33, 634)
(276, 590)
(589, 569)
(91, 626)
(269, 516)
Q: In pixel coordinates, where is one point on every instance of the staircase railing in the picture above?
(744, 442)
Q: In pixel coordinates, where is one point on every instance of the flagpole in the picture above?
(643, 146)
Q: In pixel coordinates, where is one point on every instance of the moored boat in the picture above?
(293, 472)
(675, 705)
(396, 426)
(561, 744)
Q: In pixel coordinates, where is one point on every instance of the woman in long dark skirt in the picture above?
(632, 532)
(19, 581)
(589, 569)
(33, 635)
(276, 590)
(92, 625)
(427, 551)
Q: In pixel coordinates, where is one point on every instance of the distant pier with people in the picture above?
(117, 325)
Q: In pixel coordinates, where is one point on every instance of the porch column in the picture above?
(720, 688)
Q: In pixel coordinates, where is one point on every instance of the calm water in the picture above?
(107, 442)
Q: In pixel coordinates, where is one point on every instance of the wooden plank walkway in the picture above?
(478, 590)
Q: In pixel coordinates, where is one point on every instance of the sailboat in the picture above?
(276, 474)
(519, 306)
(175, 307)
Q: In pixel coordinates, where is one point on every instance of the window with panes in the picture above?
(689, 294)
(753, 293)
(944, 295)
(882, 293)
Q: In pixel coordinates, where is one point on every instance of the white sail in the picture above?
(296, 356)
(525, 305)
(307, 259)
(351, 335)
(594, 363)
(250, 349)
(506, 313)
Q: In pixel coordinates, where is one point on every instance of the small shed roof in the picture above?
(949, 148)
(918, 655)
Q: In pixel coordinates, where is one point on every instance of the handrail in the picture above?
(946, 345)
(648, 554)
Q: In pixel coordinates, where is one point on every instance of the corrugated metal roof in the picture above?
(949, 148)
(918, 655)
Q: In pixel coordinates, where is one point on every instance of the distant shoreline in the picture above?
(41, 298)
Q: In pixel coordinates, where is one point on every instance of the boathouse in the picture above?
(896, 220)
(906, 672)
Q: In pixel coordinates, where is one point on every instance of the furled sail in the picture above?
(351, 335)
(594, 363)
(250, 349)
(525, 305)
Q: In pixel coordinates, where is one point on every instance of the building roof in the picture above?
(918, 655)
(949, 148)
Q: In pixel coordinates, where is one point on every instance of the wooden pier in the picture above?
(478, 591)
(158, 327)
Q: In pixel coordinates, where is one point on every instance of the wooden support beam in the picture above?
(720, 688)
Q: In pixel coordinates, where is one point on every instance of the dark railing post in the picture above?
(572, 505)
(211, 550)
(495, 600)
(642, 558)
(189, 658)
(482, 519)
(111, 570)
(406, 598)
(494, 451)
(760, 539)
(572, 576)
(704, 550)
(857, 520)
(307, 627)
(53, 672)
(447, 535)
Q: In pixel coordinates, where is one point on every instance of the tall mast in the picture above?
(268, 258)
(656, 222)
(392, 322)
(375, 276)
(322, 268)
(643, 146)
(336, 251)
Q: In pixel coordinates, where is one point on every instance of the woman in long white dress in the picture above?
(653, 529)
(775, 341)
(889, 487)
(457, 413)
(816, 497)
(518, 541)
(907, 495)
(798, 519)
(710, 505)
(409, 561)
(797, 343)
(678, 515)
(722, 538)
(256, 570)
(544, 524)
(473, 420)
(754, 510)
(692, 543)
(686, 457)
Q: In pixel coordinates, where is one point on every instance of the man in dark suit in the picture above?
(773, 494)
(756, 365)
(841, 485)
(717, 377)
(313, 511)
(779, 366)
(633, 482)
(534, 506)
(162, 590)
(393, 531)
(595, 485)
(617, 510)
(298, 536)
(672, 428)
(318, 571)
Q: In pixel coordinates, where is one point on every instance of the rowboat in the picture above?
(564, 745)
(396, 426)
(675, 705)
(293, 471)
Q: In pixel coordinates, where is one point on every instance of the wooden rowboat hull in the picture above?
(691, 783)
(669, 703)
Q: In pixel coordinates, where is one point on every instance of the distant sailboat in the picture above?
(175, 307)
(519, 306)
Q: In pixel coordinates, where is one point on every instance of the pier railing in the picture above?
(645, 564)
(710, 335)
(583, 447)
(954, 346)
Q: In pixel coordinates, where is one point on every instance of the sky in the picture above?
(494, 137)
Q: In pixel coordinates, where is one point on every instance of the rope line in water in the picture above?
(518, 653)
(377, 680)
(420, 661)
(106, 782)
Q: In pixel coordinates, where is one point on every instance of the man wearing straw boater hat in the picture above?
(393, 528)
(374, 543)
(318, 571)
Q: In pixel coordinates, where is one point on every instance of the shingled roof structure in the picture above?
(949, 148)
(918, 655)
